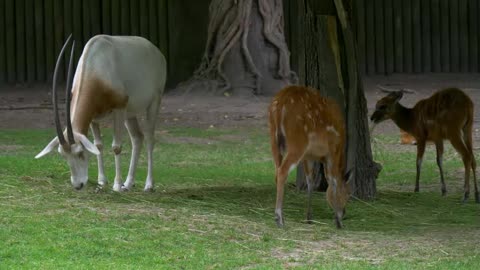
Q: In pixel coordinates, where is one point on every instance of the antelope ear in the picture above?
(87, 144)
(49, 148)
(397, 95)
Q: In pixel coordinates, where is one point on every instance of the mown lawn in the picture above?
(213, 209)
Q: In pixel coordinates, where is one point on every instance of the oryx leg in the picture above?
(136, 136)
(97, 140)
(118, 120)
(150, 140)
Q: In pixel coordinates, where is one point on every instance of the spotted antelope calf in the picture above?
(121, 76)
(304, 126)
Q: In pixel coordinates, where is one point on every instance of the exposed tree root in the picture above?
(229, 25)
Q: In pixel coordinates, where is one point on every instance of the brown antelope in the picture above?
(122, 76)
(305, 126)
(447, 114)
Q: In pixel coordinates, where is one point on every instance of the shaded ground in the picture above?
(30, 107)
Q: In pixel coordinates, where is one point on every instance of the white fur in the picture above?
(130, 66)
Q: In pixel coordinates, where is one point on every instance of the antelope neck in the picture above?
(403, 117)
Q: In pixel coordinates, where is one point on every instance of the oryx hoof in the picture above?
(117, 187)
(148, 189)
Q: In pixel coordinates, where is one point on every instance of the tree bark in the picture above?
(332, 67)
(246, 51)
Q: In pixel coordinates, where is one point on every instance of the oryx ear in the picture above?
(87, 144)
(54, 143)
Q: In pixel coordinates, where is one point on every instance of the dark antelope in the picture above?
(447, 114)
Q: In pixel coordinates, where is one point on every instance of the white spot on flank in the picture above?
(292, 101)
(292, 167)
(305, 128)
(333, 130)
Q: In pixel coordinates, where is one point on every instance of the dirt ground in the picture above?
(30, 106)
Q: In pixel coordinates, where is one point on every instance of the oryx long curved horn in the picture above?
(58, 128)
(68, 95)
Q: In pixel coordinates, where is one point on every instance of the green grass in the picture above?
(213, 209)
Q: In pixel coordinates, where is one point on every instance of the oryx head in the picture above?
(77, 148)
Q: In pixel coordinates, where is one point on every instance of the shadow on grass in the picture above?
(392, 212)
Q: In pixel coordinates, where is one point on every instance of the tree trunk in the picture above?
(246, 51)
(331, 67)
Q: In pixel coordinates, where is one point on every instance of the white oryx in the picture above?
(119, 75)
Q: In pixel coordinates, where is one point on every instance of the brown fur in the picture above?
(97, 99)
(447, 114)
(406, 138)
(305, 126)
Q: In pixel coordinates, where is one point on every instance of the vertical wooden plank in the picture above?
(116, 15)
(30, 40)
(397, 13)
(426, 36)
(20, 38)
(134, 18)
(3, 47)
(144, 18)
(361, 38)
(370, 13)
(78, 28)
(152, 21)
(187, 38)
(67, 28)
(163, 37)
(478, 34)
(86, 21)
(68, 17)
(106, 16)
(454, 37)
(379, 37)
(417, 37)
(125, 17)
(10, 38)
(445, 34)
(58, 25)
(463, 25)
(95, 17)
(40, 41)
(398, 35)
(389, 37)
(49, 39)
(407, 36)
(473, 34)
(436, 36)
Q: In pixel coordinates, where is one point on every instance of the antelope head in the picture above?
(76, 148)
(385, 107)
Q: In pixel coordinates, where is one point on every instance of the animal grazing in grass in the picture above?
(122, 76)
(447, 114)
(305, 126)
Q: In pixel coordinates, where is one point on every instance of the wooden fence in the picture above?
(416, 36)
(33, 31)
(393, 35)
